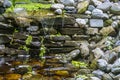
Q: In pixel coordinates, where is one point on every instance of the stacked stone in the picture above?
(3, 5)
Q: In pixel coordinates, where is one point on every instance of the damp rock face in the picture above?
(85, 32)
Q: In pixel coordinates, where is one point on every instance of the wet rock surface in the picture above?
(79, 42)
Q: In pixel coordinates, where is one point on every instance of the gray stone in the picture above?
(117, 43)
(68, 2)
(102, 64)
(107, 77)
(2, 47)
(7, 4)
(70, 9)
(20, 11)
(84, 71)
(58, 11)
(57, 6)
(105, 6)
(91, 7)
(116, 63)
(111, 57)
(4, 39)
(109, 66)
(96, 23)
(98, 73)
(115, 9)
(2, 10)
(84, 50)
(96, 2)
(98, 53)
(97, 13)
(94, 78)
(115, 70)
(32, 28)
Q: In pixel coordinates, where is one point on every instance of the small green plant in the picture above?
(42, 49)
(81, 76)
(28, 40)
(79, 64)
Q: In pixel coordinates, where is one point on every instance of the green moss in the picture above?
(30, 6)
(108, 22)
(79, 64)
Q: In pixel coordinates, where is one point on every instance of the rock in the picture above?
(73, 54)
(57, 6)
(2, 47)
(92, 31)
(96, 23)
(20, 11)
(114, 24)
(91, 7)
(117, 43)
(7, 4)
(111, 57)
(96, 2)
(82, 6)
(116, 63)
(58, 11)
(109, 66)
(84, 50)
(105, 6)
(117, 77)
(108, 22)
(68, 2)
(12, 76)
(115, 9)
(98, 73)
(115, 70)
(88, 12)
(2, 19)
(84, 71)
(107, 77)
(116, 49)
(4, 39)
(107, 30)
(102, 64)
(98, 53)
(2, 10)
(94, 78)
(33, 28)
(70, 9)
(97, 13)
(81, 22)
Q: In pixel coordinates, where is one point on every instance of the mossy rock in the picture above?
(108, 22)
(82, 6)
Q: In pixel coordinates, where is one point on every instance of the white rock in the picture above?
(96, 23)
(68, 2)
(81, 22)
(88, 12)
(58, 11)
(57, 6)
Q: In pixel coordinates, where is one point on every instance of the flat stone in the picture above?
(115, 70)
(96, 23)
(92, 31)
(107, 77)
(68, 2)
(57, 6)
(105, 6)
(4, 39)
